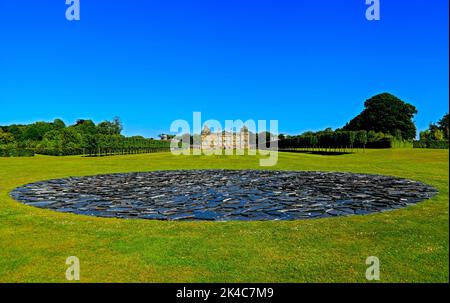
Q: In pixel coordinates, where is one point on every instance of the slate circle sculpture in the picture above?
(224, 195)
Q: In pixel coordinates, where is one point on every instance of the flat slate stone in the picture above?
(224, 195)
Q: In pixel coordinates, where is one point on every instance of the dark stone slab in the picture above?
(205, 215)
(224, 195)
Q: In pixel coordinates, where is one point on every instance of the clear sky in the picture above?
(309, 64)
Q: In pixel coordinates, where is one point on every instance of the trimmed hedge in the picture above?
(399, 143)
(342, 140)
(11, 152)
(326, 140)
(390, 143)
(431, 144)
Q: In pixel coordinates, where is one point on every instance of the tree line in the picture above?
(83, 138)
(385, 122)
(436, 136)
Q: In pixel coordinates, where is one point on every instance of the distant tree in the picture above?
(110, 128)
(137, 138)
(166, 136)
(361, 138)
(17, 131)
(36, 131)
(424, 135)
(387, 114)
(80, 122)
(53, 135)
(444, 125)
(59, 124)
(89, 142)
(85, 127)
(117, 123)
(313, 141)
(308, 133)
(432, 127)
(6, 138)
(438, 135)
(70, 135)
(352, 138)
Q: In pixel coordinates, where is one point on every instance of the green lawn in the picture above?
(412, 243)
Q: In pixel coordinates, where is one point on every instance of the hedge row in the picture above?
(10, 152)
(390, 143)
(102, 145)
(339, 140)
(431, 144)
(326, 140)
(124, 151)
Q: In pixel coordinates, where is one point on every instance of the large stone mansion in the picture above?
(226, 139)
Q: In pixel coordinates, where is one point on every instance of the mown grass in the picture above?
(412, 243)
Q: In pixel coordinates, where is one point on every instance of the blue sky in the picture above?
(309, 64)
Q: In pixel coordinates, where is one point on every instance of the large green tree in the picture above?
(387, 114)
